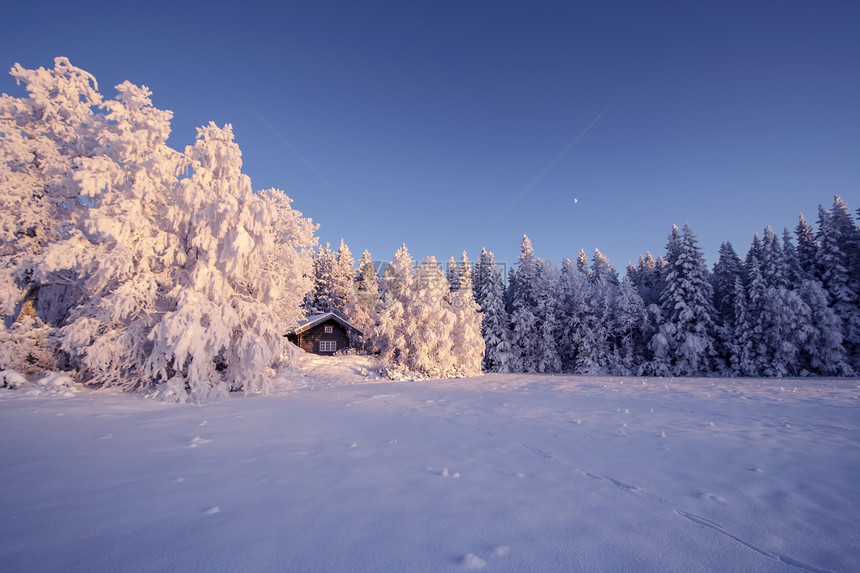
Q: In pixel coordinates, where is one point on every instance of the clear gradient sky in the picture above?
(432, 118)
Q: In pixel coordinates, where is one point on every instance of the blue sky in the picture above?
(431, 118)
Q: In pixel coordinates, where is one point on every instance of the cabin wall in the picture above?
(310, 339)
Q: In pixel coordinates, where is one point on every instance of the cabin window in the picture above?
(328, 345)
(328, 329)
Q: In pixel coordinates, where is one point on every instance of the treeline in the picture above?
(785, 309)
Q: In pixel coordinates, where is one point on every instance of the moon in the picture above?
(575, 200)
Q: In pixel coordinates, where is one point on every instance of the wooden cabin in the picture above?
(324, 334)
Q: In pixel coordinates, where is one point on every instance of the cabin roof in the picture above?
(315, 319)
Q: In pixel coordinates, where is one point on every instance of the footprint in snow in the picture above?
(197, 440)
(472, 561)
(709, 496)
(539, 453)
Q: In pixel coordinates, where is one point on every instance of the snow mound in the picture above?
(12, 379)
(341, 369)
(471, 561)
(55, 383)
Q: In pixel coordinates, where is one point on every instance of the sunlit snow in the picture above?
(346, 472)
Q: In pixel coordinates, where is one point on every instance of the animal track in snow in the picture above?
(710, 524)
(769, 554)
(539, 453)
(710, 496)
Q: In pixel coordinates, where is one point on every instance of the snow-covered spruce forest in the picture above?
(131, 264)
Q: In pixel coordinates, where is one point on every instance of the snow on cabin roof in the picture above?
(316, 319)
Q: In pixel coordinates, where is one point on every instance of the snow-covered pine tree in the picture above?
(546, 312)
(727, 269)
(582, 261)
(594, 353)
(836, 258)
(794, 273)
(823, 354)
(736, 342)
(431, 341)
(602, 271)
(573, 291)
(453, 274)
(521, 305)
(366, 293)
(727, 276)
(755, 355)
(394, 321)
(494, 319)
(648, 279)
(686, 303)
(324, 296)
(468, 341)
(344, 274)
(774, 263)
(344, 290)
(806, 248)
(627, 331)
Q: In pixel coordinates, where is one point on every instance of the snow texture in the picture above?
(345, 473)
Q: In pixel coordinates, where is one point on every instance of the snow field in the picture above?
(497, 473)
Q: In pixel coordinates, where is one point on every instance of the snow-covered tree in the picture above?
(727, 269)
(324, 296)
(366, 293)
(289, 264)
(468, 342)
(41, 138)
(223, 333)
(573, 291)
(494, 318)
(795, 274)
(823, 353)
(521, 305)
(393, 325)
(582, 261)
(593, 318)
(806, 248)
(422, 327)
(432, 344)
(837, 258)
(602, 271)
(647, 277)
(548, 357)
(521, 283)
(453, 274)
(628, 330)
(688, 328)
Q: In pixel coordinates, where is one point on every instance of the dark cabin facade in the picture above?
(324, 334)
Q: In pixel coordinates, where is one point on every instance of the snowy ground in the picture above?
(504, 473)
